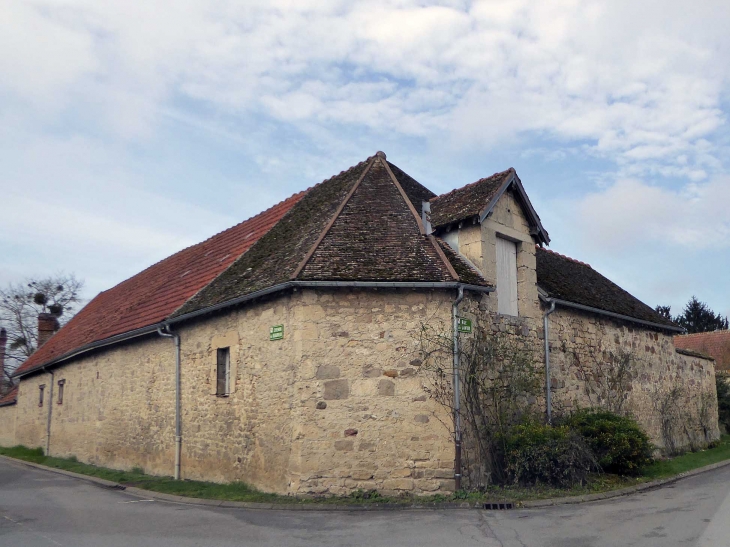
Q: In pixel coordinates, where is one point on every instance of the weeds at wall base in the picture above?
(596, 483)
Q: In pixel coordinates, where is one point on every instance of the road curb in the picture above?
(96, 480)
(622, 491)
(536, 504)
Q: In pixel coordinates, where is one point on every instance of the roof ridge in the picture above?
(338, 211)
(403, 194)
(206, 240)
(238, 258)
(461, 258)
(564, 256)
(709, 332)
(440, 252)
(259, 214)
(510, 169)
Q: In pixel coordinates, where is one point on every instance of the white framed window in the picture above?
(223, 371)
(506, 277)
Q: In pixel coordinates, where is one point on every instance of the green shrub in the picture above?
(722, 383)
(537, 453)
(618, 443)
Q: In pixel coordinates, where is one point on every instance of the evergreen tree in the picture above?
(698, 317)
(723, 400)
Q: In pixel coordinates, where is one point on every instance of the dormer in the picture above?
(492, 223)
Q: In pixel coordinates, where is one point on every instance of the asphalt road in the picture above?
(41, 509)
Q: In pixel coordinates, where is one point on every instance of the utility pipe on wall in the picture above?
(457, 394)
(50, 411)
(546, 332)
(178, 425)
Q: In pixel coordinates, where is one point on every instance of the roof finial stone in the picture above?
(381, 154)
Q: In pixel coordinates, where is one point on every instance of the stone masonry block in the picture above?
(336, 389)
(386, 388)
(326, 372)
(344, 446)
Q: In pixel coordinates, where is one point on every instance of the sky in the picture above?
(130, 130)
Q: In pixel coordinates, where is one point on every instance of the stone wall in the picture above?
(582, 343)
(7, 425)
(583, 352)
(31, 419)
(117, 409)
(334, 406)
(365, 421)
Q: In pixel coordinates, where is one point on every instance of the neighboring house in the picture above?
(716, 344)
(7, 417)
(294, 337)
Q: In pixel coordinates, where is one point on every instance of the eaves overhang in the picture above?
(536, 228)
(151, 329)
(599, 311)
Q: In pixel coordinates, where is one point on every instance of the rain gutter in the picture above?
(567, 304)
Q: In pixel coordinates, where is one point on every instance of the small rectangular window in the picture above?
(41, 389)
(223, 371)
(61, 383)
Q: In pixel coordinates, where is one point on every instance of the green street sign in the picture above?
(464, 325)
(276, 332)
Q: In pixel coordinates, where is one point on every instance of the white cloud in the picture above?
(639, 82)
(87, 88)
(633, 214)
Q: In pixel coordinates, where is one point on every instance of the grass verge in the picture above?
(662, 469)
(242, 492)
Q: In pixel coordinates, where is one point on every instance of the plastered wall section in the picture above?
(7, 425)
(336, 405)
(117, 409)
(580, 341)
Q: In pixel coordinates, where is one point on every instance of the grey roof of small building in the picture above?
(568, 279)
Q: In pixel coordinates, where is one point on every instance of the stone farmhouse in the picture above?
(281, 352)
(716, 344)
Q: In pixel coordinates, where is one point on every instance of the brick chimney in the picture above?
(3, 342)
(47, 327)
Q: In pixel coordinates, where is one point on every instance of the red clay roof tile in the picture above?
(155, 293)
(10, 398)
(716, 344)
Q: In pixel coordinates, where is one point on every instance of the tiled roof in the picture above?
(10, 398)
(363, 224)
(153, 294)
(376, 237)
(467, 273)
(693, 353)
(416, 192)
(716, 344)
(356, 226)
(574, 281)
(467, 201)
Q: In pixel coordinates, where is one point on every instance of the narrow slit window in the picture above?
(41, 389)
(223, 371)
(61, 384)
(506, 277)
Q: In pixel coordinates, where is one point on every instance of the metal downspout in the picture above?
(178, 425)
(546, 332)
(457, 394)
(50, 411)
